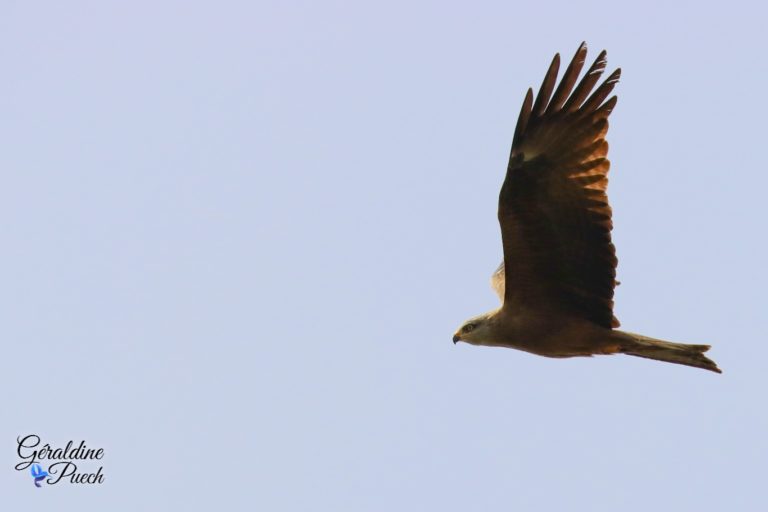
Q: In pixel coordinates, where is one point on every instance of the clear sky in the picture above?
(237, 238)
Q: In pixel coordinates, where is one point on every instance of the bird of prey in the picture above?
(558, 275)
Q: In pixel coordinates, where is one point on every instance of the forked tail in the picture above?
(678, 353)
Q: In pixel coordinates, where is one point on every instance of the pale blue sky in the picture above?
(238, 236)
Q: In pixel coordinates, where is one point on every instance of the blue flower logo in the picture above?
(38, 473)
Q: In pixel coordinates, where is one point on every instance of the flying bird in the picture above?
(557, 279)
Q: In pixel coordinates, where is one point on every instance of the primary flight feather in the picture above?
(559, 270)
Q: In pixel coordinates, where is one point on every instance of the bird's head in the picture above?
(476, 330)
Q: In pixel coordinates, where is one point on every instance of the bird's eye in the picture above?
(469, 327)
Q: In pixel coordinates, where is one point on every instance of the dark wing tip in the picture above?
(568, 96)
(568, 80)
(522, 119)
(547, 85)
(607, 107)
(586, 84)
(602, 92)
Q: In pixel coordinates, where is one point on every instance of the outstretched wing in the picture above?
(553, 208)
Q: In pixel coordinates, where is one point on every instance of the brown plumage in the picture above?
(559, 270)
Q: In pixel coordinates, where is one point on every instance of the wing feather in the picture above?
(586, 85)
(547, 85)
(525, 114)
(569, 79)
(602, 92)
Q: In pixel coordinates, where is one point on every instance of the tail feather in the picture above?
(660, 350)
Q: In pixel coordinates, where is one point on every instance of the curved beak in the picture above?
(456, 338)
